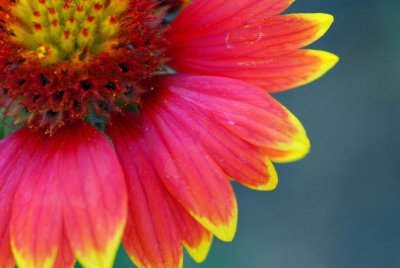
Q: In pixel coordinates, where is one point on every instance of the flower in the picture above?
(130, 126)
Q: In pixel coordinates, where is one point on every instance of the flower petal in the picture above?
(253, 46)
(36, 221)
(246, 111)
(239, 159)
(275, 73)
(151, 238)
(204, 17)
(288, 70)
(64, 186)
(196, 238)
(11, 157)
(95, 199)
(293, 30)
(188, 171)
(65, 257)
(262, 36)
(243, 114)
(6, 257)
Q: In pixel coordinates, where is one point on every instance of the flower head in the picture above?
(132, 121)
(63, 58)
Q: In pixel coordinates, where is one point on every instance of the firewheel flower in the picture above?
(132, 122)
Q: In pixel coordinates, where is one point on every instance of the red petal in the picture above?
(94, 194)
(239, 159)
(189, 172)
(242, 109)
(12, 157)
(261, 36)
(235, 111)
(36, 222)
(254, 46)
(287, 70)
(151, 237)
(65, 257)
(73, 181)
(205, 17)
(196, 238)
(6, 257)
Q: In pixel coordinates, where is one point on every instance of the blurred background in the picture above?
(340, 206)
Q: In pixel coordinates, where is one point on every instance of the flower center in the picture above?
(54, 31)
(61, 60)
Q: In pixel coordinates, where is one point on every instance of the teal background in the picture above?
(340, 206)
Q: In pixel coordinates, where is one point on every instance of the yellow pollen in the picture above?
(41, 51)
(62, 30)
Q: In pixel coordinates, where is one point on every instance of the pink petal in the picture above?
(188, 171)
(152, 237)
(196, 238)
(37, 221)
(239, 159)
(10, 173)
(241, 109)
(72, 189)
(193, 164)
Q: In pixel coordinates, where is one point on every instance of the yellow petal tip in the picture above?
(327, 62)
(32, 262)
(321, 21)
(298, 146)
(273, 179)
(94, 258)
(200, 253)
(224, 231)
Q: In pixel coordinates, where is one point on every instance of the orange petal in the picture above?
(279, 72)
(151, 238)
(288, 70)
(294, 30)
(6, 256)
